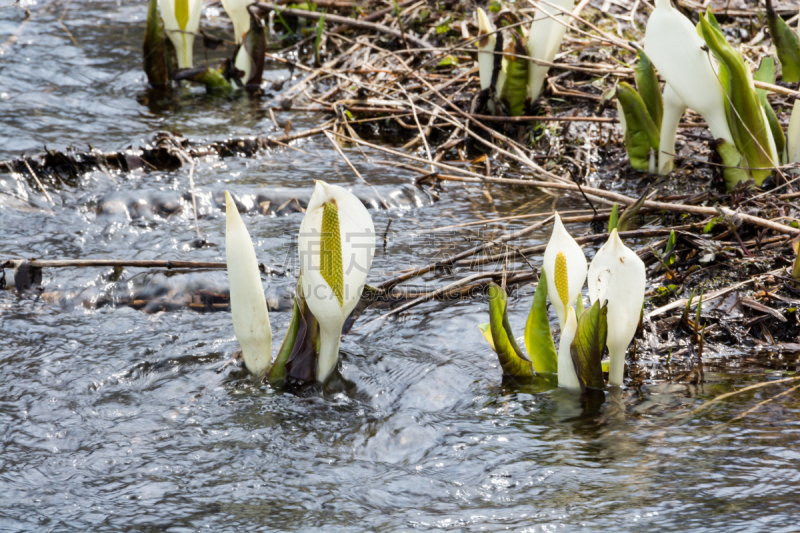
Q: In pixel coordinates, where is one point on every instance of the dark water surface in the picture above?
(113, 419)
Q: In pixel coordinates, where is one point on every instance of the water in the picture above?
(113, 419)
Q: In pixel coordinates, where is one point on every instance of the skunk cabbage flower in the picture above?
(567, 377)
(673, 45)
(248, 305)
(544, 40)
(486, 46)
(618, 276)
(181, 21)
(793, 137)
(240, 16)
(336, 244)
(565, 268)
(674, 109)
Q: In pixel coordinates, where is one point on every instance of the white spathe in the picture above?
(567, 377)
(181, 22)
(237, 11)
(618, 276)
(544, 40)
(565, 268)
(674, 108)
(793, 137)
(248, 304)
(677, 51)
(357, 240)
(486, 48)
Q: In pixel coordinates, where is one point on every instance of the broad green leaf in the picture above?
(587, 348)
(745, 116)
(613, 220)
(787, 44)
(538, 337)
(648, 88)
(579, 309)
(766, 73)
(641, 133)
(516, 77)
(512, 360)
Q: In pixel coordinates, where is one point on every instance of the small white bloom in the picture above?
(618, 275)
(335, 245)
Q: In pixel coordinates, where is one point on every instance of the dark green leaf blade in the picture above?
(512, 360)
(538, 337)
(766, 73)
(746, 120)
(787, 43)
(648, 88)
(641, 134)
(587, 348)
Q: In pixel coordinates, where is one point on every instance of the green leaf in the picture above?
(641, 133)
(787, 43)
(277, 372)
(631, 212)
(733, 172)
(213, 79)
(613, 220)
(766, 73)
(587, 347)
(745, 117)
(158, 52)
(796, 263)
(318, 39)
(486, 331)
(512, 360)
(648, 88)
(301, 366)
(448, 61)
(515, 90)
(669, 247)
(538, 337)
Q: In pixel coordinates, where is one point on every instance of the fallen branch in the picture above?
(266, 7)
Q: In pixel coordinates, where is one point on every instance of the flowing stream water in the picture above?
(116, 419)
